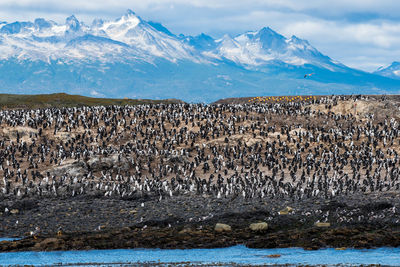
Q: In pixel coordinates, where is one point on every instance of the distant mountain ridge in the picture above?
(391, 71)
(135, 58)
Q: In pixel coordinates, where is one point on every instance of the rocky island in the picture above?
(266, 172)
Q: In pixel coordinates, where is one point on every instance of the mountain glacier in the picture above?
(130, 57)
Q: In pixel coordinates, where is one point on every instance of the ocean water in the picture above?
(9, 238)
(237, 254)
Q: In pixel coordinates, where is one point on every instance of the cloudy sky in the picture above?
(364, 34)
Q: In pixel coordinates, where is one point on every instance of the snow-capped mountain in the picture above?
(128, 37)
(133, 38)
(262, 47)
(135, 58)
(392, 71)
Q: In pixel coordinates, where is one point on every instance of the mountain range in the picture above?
(134, 58)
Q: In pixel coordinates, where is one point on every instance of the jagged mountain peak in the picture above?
(270, 39)
(226, 38)
(131, 18)
(202, 42)
(129, 13)
(267, 32)
(265, 35)
(72, 23)
(15, 27)
(153, 40)
(97, 23)
(41, 23)
(297, 40)
(259, 49)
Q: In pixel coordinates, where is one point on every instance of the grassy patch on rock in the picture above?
(65, 100)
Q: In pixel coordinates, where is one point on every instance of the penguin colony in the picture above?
(252, 150)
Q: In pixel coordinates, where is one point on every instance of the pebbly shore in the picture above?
(188, 221)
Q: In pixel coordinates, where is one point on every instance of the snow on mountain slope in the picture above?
(128, 37)
(132, 38)
(134, 31)
(392, 71)
(266, 46)
(201, 42)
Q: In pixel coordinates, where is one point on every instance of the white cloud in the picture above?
(365, 46)
(96, 94)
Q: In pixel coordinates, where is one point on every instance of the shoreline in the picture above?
(362, 237)
(168, 225)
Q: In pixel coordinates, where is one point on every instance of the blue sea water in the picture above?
(9, 238)
(237, 254)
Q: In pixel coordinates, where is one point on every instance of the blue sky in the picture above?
(364, 34)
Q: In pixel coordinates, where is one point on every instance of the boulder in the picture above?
(184, 231)
(134, 211)
(14, 211)
(274, 256)
(262, 226)
(98, 163)
(322, 224)
(285, 211)
(221, 227)
(50, 240)
(48, 243)
(71, 167)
